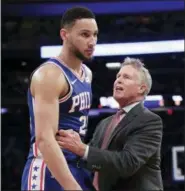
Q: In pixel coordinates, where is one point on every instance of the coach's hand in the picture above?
(70, 140)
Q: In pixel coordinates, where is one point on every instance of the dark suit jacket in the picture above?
(132, 158)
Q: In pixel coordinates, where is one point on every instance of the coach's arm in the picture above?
(137, 150)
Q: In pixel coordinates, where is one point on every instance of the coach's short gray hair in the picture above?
(145, 74)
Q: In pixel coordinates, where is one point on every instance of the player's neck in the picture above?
(70, 60)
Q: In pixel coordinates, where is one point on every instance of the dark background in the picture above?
(22, 37)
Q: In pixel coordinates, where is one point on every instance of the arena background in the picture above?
(27, 25)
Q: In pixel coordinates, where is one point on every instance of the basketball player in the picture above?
(59, 96)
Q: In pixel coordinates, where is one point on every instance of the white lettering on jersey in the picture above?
(82, 101)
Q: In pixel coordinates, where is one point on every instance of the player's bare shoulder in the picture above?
(48, 77)
(89, 73)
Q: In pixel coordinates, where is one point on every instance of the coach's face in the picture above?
(82, 38)
(127, 86)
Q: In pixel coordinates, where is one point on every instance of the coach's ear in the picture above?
(142, 89)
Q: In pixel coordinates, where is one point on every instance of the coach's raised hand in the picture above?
(70, 140)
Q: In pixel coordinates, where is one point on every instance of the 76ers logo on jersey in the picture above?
(81, 101)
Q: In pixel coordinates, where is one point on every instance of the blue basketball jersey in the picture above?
(73, 107)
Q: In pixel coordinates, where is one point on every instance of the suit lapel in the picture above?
(126, 120)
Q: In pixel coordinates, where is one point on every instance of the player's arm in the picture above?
(48, 83)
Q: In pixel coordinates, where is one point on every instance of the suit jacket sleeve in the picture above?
(138, 149)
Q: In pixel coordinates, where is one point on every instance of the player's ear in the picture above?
(63, 34)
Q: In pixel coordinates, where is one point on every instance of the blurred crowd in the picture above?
(20, 32)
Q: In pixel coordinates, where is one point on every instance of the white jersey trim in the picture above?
(36, 177)
(82, 78)
(68, 95)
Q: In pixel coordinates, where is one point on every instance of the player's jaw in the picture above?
(85, 55)
(82, 55)
(88, 53)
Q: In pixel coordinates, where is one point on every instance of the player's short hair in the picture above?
(72, 14)
(145, 75)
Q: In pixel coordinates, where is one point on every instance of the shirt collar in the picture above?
(129, 107)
